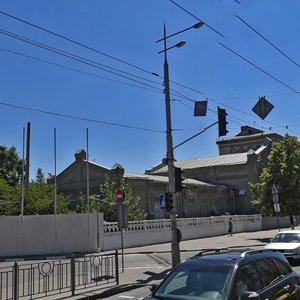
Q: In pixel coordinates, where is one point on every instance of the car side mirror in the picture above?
(153, 287)
(271, 240)
(247, 295)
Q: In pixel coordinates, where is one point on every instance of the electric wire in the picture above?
(86, 61)
(93, 49)
(182, 8)
(77, 117)
(31, 24)
(73, 56)
(77, 43)
(269, 42)
(76, 70)
(260, 69)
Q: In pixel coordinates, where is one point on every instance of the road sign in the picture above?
(120, 195)
(263, 107)
(275, 197)
(162, 201)
(277, 208)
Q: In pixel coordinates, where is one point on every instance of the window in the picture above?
(247, 280)
(268, 271)
(284, 268)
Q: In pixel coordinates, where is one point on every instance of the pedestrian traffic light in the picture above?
(222, 121)
(178, 179)
(169, 202)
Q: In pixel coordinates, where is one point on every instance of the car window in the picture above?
(282, 266)
(246, 280)
(286, 238)
(193, 282)
(268, 272)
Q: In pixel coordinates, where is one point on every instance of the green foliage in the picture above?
(39, 199)
(105, 202)
(283, 170)
(10, 165)
(10, 200)
(40, 177)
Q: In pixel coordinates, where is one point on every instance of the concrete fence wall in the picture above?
(158, 231)
(47, 235)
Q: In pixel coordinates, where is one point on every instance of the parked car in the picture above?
(230, 275)
(287, 242)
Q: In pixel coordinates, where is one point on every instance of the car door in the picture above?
(291, 278)
(273, 284)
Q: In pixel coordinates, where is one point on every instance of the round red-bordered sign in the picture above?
(120, 195)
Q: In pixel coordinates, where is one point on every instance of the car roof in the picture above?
(289, 231)
(231, 257)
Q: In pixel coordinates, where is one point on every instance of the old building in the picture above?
(241, 160)
(214, 185)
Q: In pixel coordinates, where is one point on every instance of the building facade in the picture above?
(214, 185)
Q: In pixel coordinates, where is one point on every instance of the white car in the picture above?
(287, 242)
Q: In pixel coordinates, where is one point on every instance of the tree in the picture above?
(10, 201)
(10, 165)
(105, 202)
(39, 199)
(283, 170)
(40, 177)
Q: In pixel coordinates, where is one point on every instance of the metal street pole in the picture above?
(170, 158)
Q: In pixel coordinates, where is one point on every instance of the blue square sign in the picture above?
(162, 201)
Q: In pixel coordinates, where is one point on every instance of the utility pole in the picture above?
(170, 159)
(170, 150)
(27, 165)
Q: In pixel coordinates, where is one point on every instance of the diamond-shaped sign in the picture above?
(263, 107)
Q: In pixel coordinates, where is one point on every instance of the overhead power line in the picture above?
(257, 67)
(94, 49)
(185, 10)
(269, 42)
(77, 43)
(77, 117)
(77, 58)
(154, 89)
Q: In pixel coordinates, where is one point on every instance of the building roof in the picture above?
(163, 179)
(220, 160)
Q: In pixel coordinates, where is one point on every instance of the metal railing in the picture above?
(51, 277)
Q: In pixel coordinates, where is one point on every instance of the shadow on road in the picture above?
(261, 240)
(154, 276)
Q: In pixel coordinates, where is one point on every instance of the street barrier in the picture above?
(51, 277)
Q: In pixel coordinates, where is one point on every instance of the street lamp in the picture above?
(170, 150)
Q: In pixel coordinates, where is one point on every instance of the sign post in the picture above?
(122, 217)
(275, 199)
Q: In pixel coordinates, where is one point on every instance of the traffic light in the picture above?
(169, 201)
(222, 121)
(178, 179)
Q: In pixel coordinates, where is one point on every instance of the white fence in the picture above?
(65, 234)
(158, 231)
(48, 234)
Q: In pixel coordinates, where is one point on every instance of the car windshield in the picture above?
(191, 282)
(286, 238)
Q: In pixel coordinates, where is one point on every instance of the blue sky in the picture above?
(130, 114)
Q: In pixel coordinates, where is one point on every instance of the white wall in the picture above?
(47, 234)
(65, 234)
(158, 231)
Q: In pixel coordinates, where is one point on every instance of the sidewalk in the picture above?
(136, 277)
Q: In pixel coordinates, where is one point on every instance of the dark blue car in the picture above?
(230, 275)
